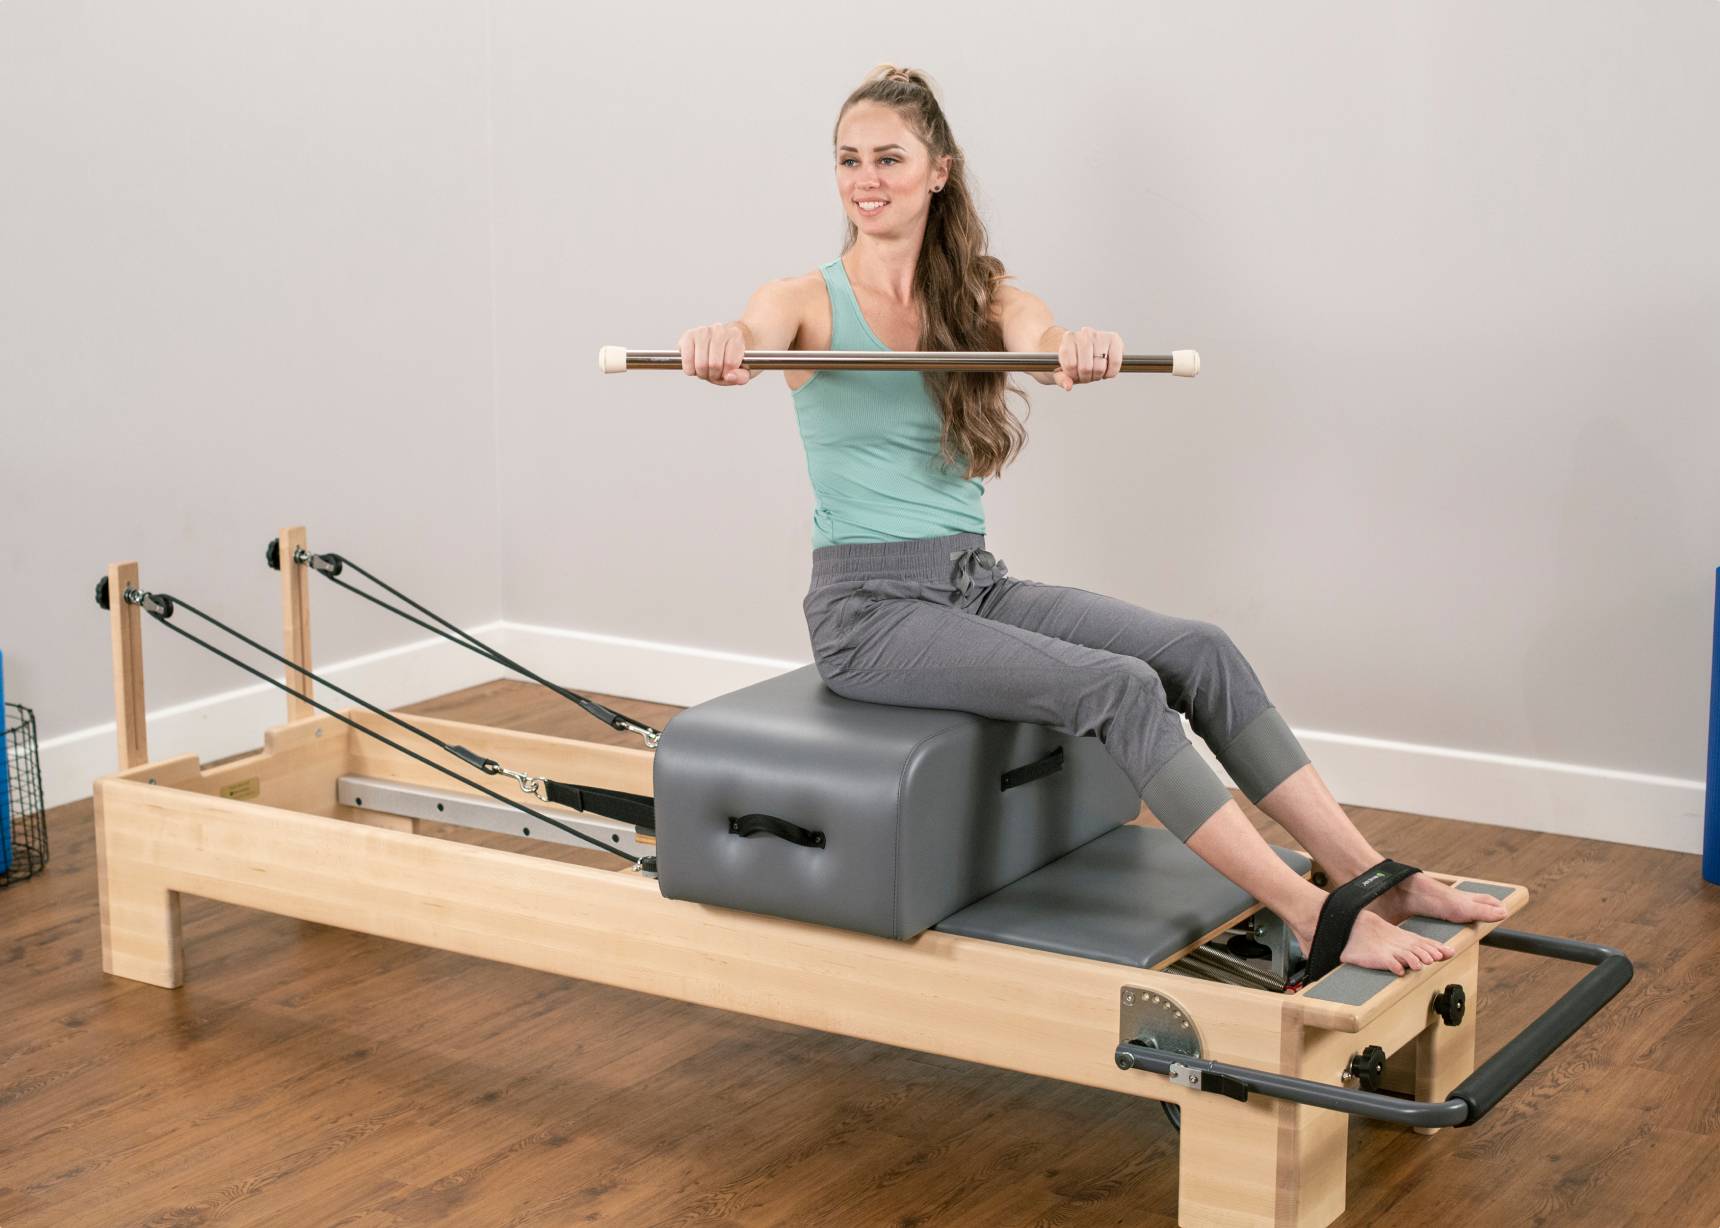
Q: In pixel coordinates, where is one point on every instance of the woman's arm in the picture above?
(771, 321)
(1028, 328)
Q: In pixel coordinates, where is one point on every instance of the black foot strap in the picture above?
(1338, 914)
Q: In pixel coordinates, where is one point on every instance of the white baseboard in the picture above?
(1528, 794)
(232, 722)
(667, 673)
(1475, 786)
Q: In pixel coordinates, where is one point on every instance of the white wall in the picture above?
(1446, 475)
(246, 284)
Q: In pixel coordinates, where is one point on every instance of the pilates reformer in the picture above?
(930, 879)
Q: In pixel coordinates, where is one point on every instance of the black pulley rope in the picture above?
(329, 566)
(632, 807)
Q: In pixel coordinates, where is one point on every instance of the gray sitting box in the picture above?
(868, 817)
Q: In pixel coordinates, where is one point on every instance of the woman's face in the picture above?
(884, 173)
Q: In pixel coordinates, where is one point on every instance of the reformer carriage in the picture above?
(936, 880)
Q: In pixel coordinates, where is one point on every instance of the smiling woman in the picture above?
(908, 607)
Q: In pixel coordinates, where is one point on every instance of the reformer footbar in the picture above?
(330, 566)
(1470, 1100)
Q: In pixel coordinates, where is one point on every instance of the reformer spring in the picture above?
(331, 565)
(627, 807)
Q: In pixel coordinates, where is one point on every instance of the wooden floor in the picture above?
(308, 1076)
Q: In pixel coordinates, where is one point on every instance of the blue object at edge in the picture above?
(1711, 814)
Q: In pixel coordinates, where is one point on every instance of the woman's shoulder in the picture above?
(790, 312)
(805, 284)
(797, 290)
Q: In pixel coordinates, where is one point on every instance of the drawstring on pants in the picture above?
(974, 564)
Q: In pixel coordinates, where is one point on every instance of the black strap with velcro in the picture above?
(1338, 914)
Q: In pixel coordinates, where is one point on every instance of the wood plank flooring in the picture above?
(308, 1076)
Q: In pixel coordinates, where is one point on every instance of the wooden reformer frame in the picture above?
(266, 831)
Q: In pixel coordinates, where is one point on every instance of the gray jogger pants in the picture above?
(939, 623)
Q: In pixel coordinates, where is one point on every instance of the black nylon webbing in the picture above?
(610, 803)
(1338, 914)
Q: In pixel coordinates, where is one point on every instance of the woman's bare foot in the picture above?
(1420, 895)
(1377, 943)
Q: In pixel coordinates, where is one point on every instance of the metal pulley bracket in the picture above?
(1150, 1018)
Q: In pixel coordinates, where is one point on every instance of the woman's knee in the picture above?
(1128, 688)
(1134, 680)
(1205, 661)
(1212, 639)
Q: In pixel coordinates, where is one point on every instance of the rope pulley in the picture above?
(331, 566)
(610, 803)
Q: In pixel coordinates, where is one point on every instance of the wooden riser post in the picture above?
(296, 619)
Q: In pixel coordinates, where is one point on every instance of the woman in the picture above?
(907, 607)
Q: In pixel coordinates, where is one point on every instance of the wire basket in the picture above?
(24, 812)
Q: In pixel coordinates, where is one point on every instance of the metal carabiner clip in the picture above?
(645, 731)
(527, 784)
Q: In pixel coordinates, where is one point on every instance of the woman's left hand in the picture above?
(1085, 355)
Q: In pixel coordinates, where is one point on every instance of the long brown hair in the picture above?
(954, 281)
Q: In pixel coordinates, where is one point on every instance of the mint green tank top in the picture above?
(872, 443)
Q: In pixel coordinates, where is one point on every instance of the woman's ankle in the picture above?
(1341, 867)
(1301, 913)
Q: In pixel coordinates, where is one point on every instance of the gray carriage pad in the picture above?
(1135, 896)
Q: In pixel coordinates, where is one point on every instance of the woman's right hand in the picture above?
(713, 352)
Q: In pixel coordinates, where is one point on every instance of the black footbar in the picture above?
(1470, 1100)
